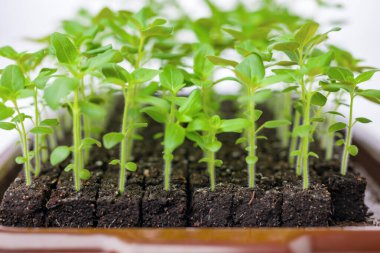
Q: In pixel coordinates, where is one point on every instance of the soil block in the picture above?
(118, 210)
(24, 206)
(257, 207)
(306, 208)
(212, 208)
(68, 208)
(162, 208)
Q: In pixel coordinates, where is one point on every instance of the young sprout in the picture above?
(167, 111)
(344, 79)
(130, 85)
(251, 74)
(78, 65)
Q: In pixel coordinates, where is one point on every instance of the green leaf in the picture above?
(12, 78)
(221, 61)
(198, 124)
(241, 140)
(341, 74)
(156, 113)
(130, 166)
(41, 130)
(65, 50)
(276, 123)
(59, 90)
(69, 167)
(92, 110)
(302, 131)
(114, 72)
(214, 146)
(157, 31)
(317, 65)
(370, 93)
(336, 113)
(318, 99)
(59, 154)
(20, 160)
(251, 70)
(172, 79)
(286, 46)
(251, 159)
(49, 122)
(43, 77)
(313, 155)
(234, 125)
(9, 52)
(143, 75)
(365, 76)
(306, 33)
(84, 174)
(99, 61)
(363, 120)
(114, 162)
(7, 126)
(5, 112)
(112, 139)
(192, 104)
(174, 137)
(89, 142)
(339, 142)
(337, 127)
(218, 163)
(202, 66)
(20, 118)
(354, 151)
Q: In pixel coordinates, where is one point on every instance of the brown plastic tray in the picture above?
(303, 240)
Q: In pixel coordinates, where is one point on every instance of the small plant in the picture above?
(344, 79)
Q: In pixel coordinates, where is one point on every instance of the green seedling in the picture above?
(130, 85)
(342, 78)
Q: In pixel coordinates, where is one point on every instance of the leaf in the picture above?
(157, 31)
(7, 126)
(65, 50)
(114, 162)
(221, 61)
(276, 123)
(84, 174)
(59, 90)
(49, 122)
(251, 159)
(370, 93)
(218, 163)
(9, 52)
(92, 110)
(89, 142)
(198, 124)
(336, 113)
(203, 67)
(241, 140)
(337, 127)
(41, 130)
(130, 166)
(318, 99)
(143, 75)
(12, 78)
(116, 73)
(306, 33)
(69, 167)
(251, 70)
(112, 139)
(156, 113)
(365, 76)
(192, 104)
(43, 77)
(286, 46)
(20, 160)
(100, 60)
(172, 79)
(234, 125)
(339, 142)
(363, 120)
(313, 155)
(214, 146)
(5, 112)
(317, 65)
(174, 137)
(59, 154)
(341, 74)
(302, 131)
(354, 151)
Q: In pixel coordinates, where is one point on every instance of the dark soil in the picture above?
(277, 200)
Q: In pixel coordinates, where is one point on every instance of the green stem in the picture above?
(251, 140)
(44, 149)
(125, 149)
(305, 144)
(139, 53)
(294, 139)
(25, 146)
(77, 140)
(37, 153)
(348, 140)
(211, 168)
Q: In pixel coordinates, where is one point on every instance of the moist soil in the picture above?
(277, 200)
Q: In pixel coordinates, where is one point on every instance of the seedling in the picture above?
(344, 79)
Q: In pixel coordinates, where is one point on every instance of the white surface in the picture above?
(21, 19)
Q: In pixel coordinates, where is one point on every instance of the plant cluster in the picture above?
(274, 55)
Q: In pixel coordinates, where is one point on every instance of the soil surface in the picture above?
(278, 199)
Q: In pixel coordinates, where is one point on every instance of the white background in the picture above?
(22, 19)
